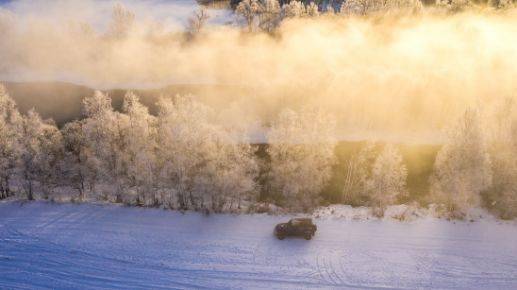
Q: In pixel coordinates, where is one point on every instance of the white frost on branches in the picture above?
(301, 147)
(388, 179)
(462, 168)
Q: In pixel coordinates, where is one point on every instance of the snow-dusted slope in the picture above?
(97, 247)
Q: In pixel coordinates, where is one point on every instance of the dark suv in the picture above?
(300, 227)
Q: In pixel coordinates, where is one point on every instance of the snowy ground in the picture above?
(67, 246)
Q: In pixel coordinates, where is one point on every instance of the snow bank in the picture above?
(396, 212)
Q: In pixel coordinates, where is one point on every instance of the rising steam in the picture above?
(403, 76)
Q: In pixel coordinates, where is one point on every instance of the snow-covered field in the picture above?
(68, 246)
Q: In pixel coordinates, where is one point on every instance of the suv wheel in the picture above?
(308, 236)
(280, 237)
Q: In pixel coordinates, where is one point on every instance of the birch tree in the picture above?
(122, 21)
(294, 9)
(140, 149)
(32, 131)
(388, 179)
(249, 10)
(501, 197)
(269, 17)
(105, 132)
(197, 22)
(358, 171)
(10, 129)
(82, 166)
(50, 159)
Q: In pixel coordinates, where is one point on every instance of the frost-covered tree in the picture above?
(80, 171)
(197, 22)
(365, 7)
(180, 138)
(357, 173)
(105, 132)
(121, 22)
(269, 17)
(10, 129)
(502, 4)
(312, 10)
(200, 163)
(229, 173)
(50, 158)
(462, 168)
(301, 148)
(501, 197)
(32, 156)
(29, 146)
(249, 10)
(294, 9)
(140, 149)
(454, 5)
(388, 179)
(32, 128)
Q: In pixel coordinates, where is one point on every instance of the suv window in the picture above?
(300, 222)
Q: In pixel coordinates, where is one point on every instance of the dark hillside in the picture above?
(63, 101)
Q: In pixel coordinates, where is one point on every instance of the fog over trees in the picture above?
(297, 54)
(184, 158)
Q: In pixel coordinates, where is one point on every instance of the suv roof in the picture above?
(302, 220)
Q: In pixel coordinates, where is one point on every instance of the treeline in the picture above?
(266, 15)
(184, 158)
(178, 159)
